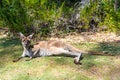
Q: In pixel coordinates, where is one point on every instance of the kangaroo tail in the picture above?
(74, 49)
(100, 53)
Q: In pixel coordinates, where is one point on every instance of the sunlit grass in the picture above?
(57, 68)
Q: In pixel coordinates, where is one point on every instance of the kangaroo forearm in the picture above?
(17, 59)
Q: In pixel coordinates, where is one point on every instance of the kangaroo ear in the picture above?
(30, 36)
(21, 35)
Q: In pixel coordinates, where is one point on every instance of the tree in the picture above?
(115, 5)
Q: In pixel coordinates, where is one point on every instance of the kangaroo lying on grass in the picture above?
(48, 48)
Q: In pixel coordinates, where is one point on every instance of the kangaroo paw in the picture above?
(17, 59)
(77, 62)
(14, 60)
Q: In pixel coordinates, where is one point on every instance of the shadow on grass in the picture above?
(111, 48)
(8, 50)
(6, 42)
(108, 47)
(88, 61)
(9, 46)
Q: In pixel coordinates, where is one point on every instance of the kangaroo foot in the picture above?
(77, 62)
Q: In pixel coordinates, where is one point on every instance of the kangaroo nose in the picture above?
(25, 43)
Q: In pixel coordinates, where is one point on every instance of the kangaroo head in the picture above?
(26, 40)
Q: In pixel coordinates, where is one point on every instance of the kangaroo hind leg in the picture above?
(77, 55)
(78, 58)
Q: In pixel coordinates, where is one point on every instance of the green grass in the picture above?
(59, 68)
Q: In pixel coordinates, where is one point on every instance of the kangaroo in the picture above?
(48, 48)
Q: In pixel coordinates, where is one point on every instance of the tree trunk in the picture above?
(115, 5)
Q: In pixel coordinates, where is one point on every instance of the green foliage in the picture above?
(52, 16)
(14, 14)
(103, 12)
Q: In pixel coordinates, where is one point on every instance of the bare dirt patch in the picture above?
(90, 37)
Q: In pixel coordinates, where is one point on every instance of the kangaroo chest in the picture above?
(27, 52)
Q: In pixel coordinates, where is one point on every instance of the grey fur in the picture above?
(46, 52)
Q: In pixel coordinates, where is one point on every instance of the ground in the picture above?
(61, 68)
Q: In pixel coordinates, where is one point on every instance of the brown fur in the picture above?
(49, 48)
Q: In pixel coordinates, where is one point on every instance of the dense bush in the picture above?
(60, 16)
(14, 15)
